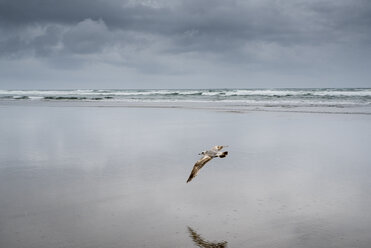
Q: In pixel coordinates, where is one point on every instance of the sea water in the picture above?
(316, 97)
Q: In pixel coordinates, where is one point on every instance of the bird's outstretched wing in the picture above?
(198, 165)
(201, 242)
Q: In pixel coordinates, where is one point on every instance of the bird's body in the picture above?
(208, 155)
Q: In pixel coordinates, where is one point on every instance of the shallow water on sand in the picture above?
(115, 177)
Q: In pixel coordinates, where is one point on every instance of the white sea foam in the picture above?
(343, 93)
(213, 93)
(263, 93)
(35, 92)
(273, 97)
(365, 92)
(234, 92)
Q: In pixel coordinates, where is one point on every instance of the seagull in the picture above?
(208, 155)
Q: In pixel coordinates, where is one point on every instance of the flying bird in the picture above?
(208, 155)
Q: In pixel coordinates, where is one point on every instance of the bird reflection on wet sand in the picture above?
(200, 242)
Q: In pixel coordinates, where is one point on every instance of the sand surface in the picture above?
(77, 176)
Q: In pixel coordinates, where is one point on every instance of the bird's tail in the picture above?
(223, 155)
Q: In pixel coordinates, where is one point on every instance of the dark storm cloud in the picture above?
(152, 36)
(116, 14)
(23, 12)
(202, 25)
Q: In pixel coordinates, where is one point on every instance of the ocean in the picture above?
(316, 97)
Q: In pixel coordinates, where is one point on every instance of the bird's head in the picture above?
(202, 153)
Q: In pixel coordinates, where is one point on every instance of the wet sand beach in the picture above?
(79, 175)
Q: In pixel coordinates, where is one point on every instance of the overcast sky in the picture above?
(49, 44)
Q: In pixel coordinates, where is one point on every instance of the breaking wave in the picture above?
(274, 97)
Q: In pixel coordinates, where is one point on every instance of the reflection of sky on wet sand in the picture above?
(115, 177)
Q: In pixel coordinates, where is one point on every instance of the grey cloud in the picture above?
(87, 37)
(34, 40)
(48, 42)
(21, 12)
(240, 18)
(116, 14)
(171, 37)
